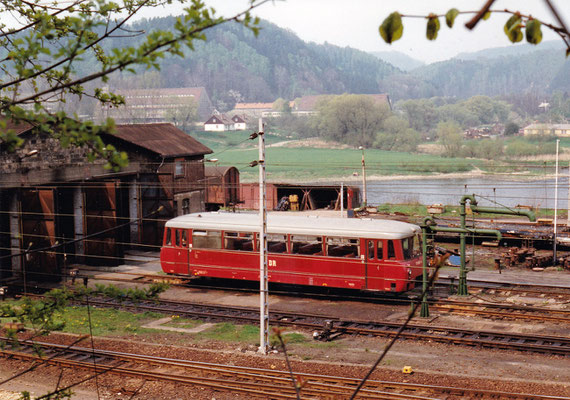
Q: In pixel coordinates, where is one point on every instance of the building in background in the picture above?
(562, 130)
(160, 105)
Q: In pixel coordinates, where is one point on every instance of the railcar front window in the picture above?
(408, 247)
(391, 251)
(168, 239)
(305, 244)
(343, 247)
(238, 241)
(207, 239)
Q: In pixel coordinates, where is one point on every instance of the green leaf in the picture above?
(432, 28)
(450, 17)
(533, 32)
(487, 15)
(513, 28)
(392, 28)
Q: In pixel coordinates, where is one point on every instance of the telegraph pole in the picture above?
(363, 177)
(263, 284)
(555, 204)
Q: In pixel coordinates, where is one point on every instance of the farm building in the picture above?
(56, 208)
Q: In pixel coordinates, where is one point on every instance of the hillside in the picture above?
(234, 66)
(275, 64)
(398, 59)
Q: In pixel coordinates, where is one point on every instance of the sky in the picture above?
(355, 23)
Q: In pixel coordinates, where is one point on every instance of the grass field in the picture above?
(307, 164)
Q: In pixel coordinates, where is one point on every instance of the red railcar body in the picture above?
(377, 255)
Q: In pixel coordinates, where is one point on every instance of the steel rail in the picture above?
(536, 343)
(262, 382)
(510, 311)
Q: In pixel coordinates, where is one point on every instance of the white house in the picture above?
(219, 123)
(240, 123)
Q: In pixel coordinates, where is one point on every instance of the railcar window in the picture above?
(207, 239)
(343, 247)
(305, 244)
(380, 250)
(391, 251)
(238, 241)
(184, 238)
(168, 240)
(276, 243)
(370, 249)
(177, 236)
(408, 247)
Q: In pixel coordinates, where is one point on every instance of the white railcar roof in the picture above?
(297, 224)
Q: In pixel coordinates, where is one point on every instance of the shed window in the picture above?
(179, 170)
(238, 241)
(305, 244)
(207, 239)
(343, 247)
(186, 206)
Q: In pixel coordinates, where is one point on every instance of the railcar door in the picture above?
(374, 273)
(174, 254)
(182, 249)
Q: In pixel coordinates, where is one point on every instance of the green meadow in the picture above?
(309, 164)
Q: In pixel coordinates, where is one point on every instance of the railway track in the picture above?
(502, 311)
(250, 382)
(557, 345)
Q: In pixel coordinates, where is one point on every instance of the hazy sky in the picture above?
(355, 23)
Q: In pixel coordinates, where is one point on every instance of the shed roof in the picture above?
(216, 170)
(17, 127)
(163, 139)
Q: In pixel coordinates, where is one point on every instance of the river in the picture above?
(490, 190)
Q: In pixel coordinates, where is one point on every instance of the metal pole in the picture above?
(263, 285)
(555, 203)
(364, 178)
(462, 286)
(568, 215)
(341, 198)
(424, 312)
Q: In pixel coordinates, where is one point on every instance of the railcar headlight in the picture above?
(409, 274)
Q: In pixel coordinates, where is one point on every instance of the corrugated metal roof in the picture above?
(163, 139)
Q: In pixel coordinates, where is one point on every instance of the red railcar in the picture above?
(365, 254)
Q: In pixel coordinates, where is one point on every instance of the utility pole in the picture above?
(342, 199)
(365, 199)
(568, 215)
(555, 204)
(263, 284)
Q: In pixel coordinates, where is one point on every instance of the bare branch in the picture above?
(480, 14)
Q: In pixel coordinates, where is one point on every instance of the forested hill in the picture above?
(233, 65)
(539, 71)
(275, 64)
